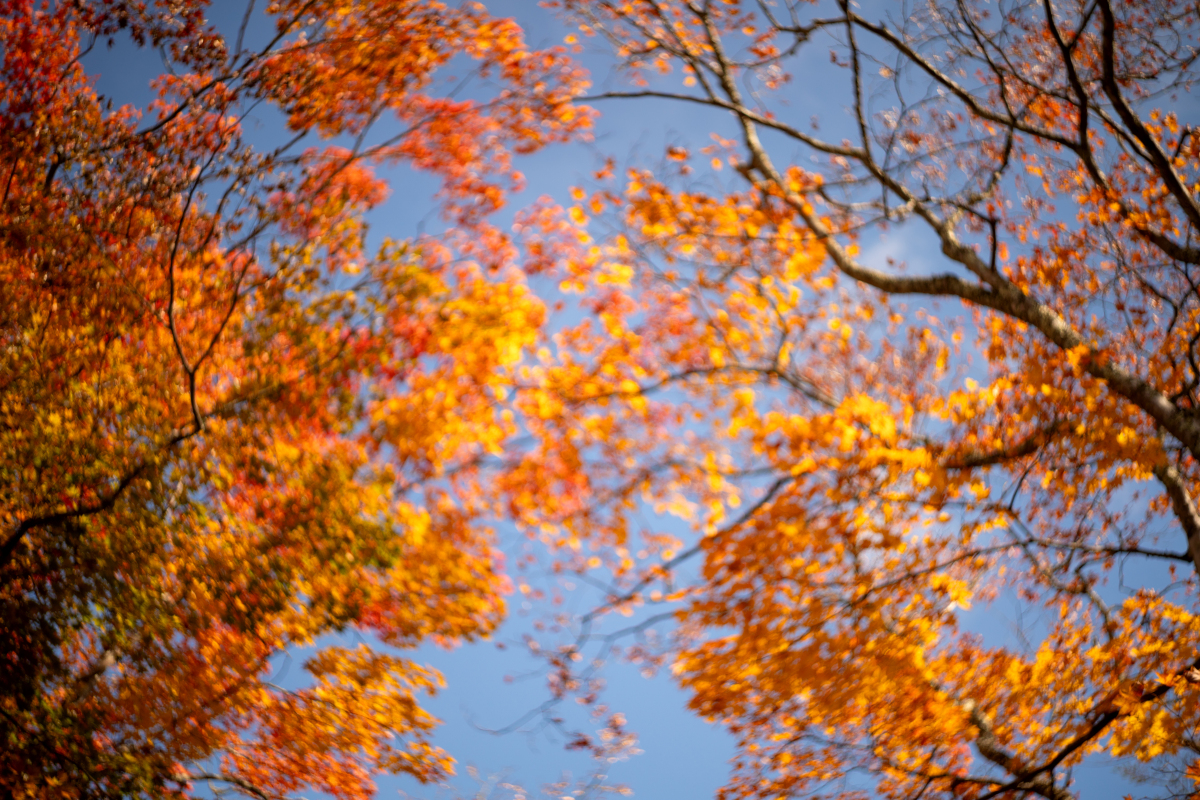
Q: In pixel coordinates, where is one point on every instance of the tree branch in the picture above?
(1184, 508)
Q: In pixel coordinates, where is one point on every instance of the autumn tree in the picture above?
(231, 425)
(936, 354)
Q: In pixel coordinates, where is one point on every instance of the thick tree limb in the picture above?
(1183, 506)
(9, 547)
(1040, 783)
(1026, 446)
(1162, 163)
(241, 784)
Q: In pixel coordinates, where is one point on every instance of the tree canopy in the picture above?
(230, 427)
(894, 372)
(902, 369)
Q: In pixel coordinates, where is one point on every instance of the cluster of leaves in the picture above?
(865, 449)
(230, 428)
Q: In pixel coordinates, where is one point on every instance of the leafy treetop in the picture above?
(229, 427)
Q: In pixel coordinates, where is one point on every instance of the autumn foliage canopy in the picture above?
(230, 428)
(828, 397)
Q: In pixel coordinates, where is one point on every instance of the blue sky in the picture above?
(683, 757)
